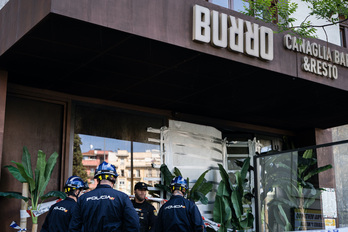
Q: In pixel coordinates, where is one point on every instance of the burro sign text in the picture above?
(235, 34)
(317, 59)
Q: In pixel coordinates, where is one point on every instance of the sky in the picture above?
(94, 142)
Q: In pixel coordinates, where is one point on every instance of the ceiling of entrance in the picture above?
(71, 56)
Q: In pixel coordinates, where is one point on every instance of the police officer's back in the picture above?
(104, 208)
(146, 212)
(60, 214)
(179, 214)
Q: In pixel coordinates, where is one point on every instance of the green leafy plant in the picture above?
(295, 185)
(197, 193)
(228, 207)
(36, 180)
(281, 13)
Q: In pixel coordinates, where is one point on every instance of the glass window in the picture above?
(120, 138)
(149, 172)
(290, 200)
(342, 37)
(238, 5)
(137, 173)
(223, 3)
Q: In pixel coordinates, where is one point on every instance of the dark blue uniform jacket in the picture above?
(59, 216)
(104, 209)
(179, 214)
(147, 216)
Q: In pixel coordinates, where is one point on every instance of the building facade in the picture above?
(114, 69)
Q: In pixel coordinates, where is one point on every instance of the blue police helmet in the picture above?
(75, 182)
(105, 169)
(179, 183)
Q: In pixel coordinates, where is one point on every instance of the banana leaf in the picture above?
(163, 187)
(223, 189)
(39, 177)
(316, 171)
(28, 179)
(37, 184)
(51, 162)
(199, 181)
(308, 154)
(201, 197)
(248, 221)
(222, 211)
(177, 172)
(16, 173)
(205, 187)
(167, 175)
(237, 203)
(16, 195)
(245, 168)
(288, 226)
(225, 178)
(26, 161)
(50, 194)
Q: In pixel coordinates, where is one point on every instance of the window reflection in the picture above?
(223, 3)
(237, 5)
(138, 160)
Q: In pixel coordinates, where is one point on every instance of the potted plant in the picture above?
(197, 193)
(228, 206)
(36, 181)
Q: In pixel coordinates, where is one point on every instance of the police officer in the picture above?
(179, 214)
(104, 209)
(146, 212)
(59, 215)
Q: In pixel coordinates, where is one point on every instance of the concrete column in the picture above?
(325, 156)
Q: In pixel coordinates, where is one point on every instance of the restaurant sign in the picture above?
(237, 35)
(318, 59)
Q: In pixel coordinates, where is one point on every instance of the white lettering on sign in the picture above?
(237, 35)
(319, 59)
